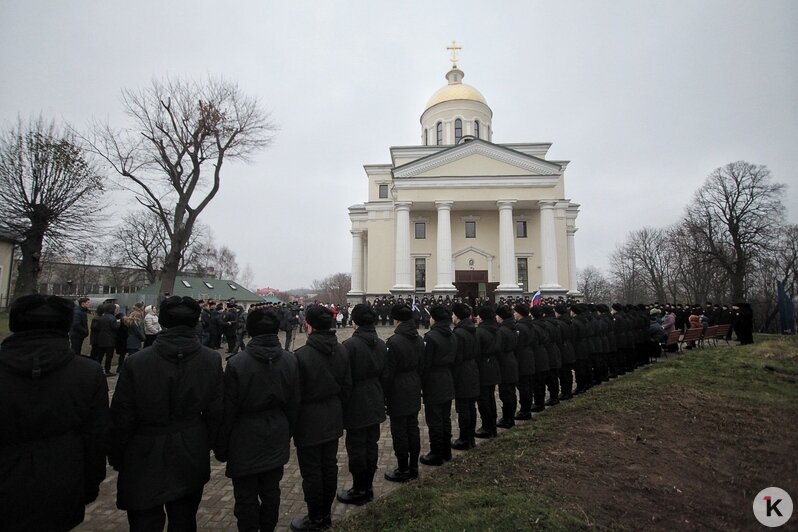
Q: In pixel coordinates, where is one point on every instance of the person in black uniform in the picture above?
(437, 385)
(489, 372)
(261, 400)
(526, 360)
(401, 383)
(508, 366)
(554, 348)
(466, 376)
(165, 416)
(568, 352)
(54, 418)
(326, 381)
(365, 410)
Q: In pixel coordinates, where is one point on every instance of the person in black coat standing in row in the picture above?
(526, 360)
(401, 384)
(105, 327)
(165, 417)
(365, 410)
(466, 376)
(79, 329)
(261, 400)
(508, 366)
(437, 385)
(326, 381)
(489, 372)
(54, 418)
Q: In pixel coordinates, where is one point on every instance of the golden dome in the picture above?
(455, 90)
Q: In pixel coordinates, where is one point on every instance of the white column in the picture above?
(548, 246)
(402, 267)
(508, 278)
(444, 248)
(357, 263)
(571, 260)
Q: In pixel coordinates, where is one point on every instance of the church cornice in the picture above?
(548, 181)
(526, 162)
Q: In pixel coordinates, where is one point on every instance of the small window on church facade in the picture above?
(458, 130)
(439, 133)
(471, 229)
(476, 128)
(523, 273)
(520, 229)
(421, 230)
(383, 191)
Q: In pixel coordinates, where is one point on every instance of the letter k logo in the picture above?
(771, 506)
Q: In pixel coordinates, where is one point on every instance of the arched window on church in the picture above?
(458, 130)
(476, 128)
(439, 133)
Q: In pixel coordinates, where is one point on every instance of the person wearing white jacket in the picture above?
(151, 325)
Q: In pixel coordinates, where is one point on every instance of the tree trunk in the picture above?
(30, 265)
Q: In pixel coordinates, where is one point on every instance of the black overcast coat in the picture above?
(538, 338)
(165, 416)
(261, 400)
(440, 351)
(367, 357)
(54, 423)
(508, 364)
(465, 369)
(401, 380)
(489, 349)
(523, 349)
(326, 382)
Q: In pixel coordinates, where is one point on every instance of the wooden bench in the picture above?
(709, 336)
(692, 335)
(723, 333)
(672, 339)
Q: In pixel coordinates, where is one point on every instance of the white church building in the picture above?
(460, 214)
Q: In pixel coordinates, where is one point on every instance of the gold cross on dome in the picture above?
(454, 48)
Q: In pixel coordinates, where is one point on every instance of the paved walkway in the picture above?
(216, 510)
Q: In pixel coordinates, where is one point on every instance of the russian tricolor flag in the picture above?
(537, 299)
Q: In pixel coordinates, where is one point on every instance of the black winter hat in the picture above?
(522, 309)
(176, 310)
(461, 310)
(262, 321)
(536, 312)
(439, 313)
(617, 307)
(560, 309)
(504, 312)
(363, 314)
(40, 312)
(319, 317)
(401, 312)
(487, 313)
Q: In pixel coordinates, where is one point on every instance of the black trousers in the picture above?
(77, 343)
(121, 360)
(539, 387)
(289, 337)
(582, 374)
(182, 515)
(509, 400)
(553, 383)
(567, 378)
(406, 441)
(439, 424)
(361, 448)
(106, 353)
(487, 408)
(231, 341)
(318, 465)
(258, 500)
(525, 392)
(466, 417)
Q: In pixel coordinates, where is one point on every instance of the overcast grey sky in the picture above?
(644, 98)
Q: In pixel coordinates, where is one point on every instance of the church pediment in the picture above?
(477, 158)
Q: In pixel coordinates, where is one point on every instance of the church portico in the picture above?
(461, 214)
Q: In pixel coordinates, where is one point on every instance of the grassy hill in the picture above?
(683, 444)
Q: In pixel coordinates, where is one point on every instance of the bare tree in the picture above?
(594, 285)
(172, 154)
(247, 278)
(332, 289)
(735, 216)
(49, 191)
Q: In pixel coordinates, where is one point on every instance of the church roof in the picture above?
(455, 90)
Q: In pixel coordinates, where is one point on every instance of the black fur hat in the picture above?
(504, 312)
(401, 313)
(522, 309)
(319, 317)
(439, 313)
(262, 321)
(363, 314)
(487, 313)
(40, 312)
(176, 310)
(461, 310)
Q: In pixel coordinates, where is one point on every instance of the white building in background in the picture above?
(460, 214)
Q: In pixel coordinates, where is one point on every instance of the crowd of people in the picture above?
(175, 401)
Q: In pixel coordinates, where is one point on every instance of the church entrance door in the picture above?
(472, 284)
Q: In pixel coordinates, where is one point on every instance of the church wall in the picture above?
(424, 248)
(380, 257)
(487, 240)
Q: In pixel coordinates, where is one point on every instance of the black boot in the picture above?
(356, 497)
(462, 444)
(306, 524)
(397, 475)
(522, 416)
(431, 459)
(505, 423)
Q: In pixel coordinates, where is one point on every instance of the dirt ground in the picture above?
(685, 461)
